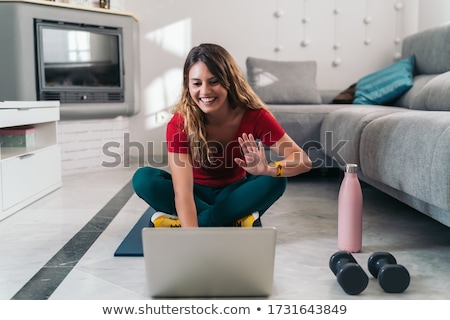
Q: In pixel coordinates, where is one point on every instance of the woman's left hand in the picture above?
(254, 161)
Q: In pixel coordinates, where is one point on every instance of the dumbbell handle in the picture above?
(342, 262)
(378, 260)
(339, 259)
(392, 277)
(350, 276)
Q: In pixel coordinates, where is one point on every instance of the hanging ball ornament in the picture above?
(398, 6)
(278, 48)
(305, 43)
(336, 62)
(278, 13)
(367, 19)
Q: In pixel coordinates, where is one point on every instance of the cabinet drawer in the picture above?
(25, 176)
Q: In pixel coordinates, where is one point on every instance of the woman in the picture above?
(219, 174)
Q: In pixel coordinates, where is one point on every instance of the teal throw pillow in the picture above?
(385, 85)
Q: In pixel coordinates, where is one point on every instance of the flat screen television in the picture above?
(78, 63)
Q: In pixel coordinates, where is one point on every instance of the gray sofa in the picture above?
(402, 147)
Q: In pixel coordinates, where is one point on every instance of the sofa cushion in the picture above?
(284, 82)
(340, 132)
(407, 99)
(302, 123)
(327, 96)
(386, 85)
(434, 95)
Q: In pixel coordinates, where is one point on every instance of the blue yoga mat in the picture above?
(131, 246)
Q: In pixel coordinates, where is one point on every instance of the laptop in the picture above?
(209, 262)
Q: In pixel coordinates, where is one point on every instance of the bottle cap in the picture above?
(351, 168)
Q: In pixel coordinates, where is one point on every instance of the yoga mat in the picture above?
(131, 246)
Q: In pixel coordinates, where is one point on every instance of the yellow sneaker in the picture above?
(164, 220)
(250, 221)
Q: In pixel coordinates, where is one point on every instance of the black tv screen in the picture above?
(78, 63)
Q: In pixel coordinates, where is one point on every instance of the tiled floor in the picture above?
(305, 217)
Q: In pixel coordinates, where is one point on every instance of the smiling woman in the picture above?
(216, 141)
(206, 90)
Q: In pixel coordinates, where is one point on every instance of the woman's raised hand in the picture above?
(254, 161)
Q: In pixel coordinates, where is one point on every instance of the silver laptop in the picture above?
(209, 262)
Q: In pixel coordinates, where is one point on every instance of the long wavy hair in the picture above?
(240, 95)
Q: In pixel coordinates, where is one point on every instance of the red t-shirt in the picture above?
(224, 171)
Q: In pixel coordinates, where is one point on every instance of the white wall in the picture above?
(169, 29)
(433, 13)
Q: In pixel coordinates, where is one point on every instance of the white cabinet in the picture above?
(29, 173)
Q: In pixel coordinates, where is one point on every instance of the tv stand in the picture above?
(29, 173)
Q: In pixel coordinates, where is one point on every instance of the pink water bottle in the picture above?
(350, 205)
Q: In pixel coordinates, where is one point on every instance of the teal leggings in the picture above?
(216, 207)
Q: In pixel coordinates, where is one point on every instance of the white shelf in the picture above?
(29, 173)
(72, 6)
(24, 105)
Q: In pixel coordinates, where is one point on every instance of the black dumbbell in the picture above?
(392, 277)
(350, 276)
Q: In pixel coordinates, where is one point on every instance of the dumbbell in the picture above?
(350, 276)
(392, 277)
